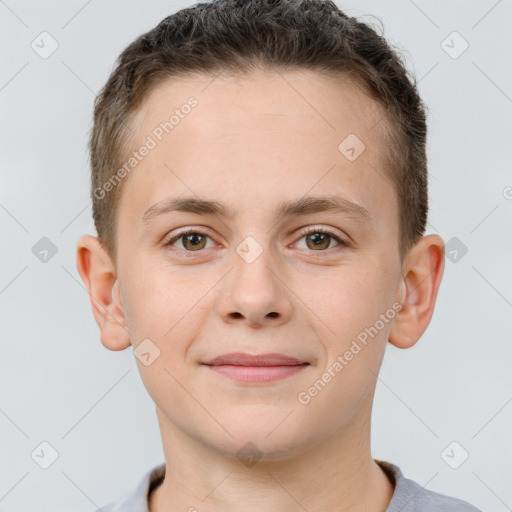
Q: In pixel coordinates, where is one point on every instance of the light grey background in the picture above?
(60, 385)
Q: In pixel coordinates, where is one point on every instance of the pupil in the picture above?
(318, 238)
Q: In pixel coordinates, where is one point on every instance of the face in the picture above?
(266, 271)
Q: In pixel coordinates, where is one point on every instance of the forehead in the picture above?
(255, 140)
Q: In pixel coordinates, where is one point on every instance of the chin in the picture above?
(268, 443)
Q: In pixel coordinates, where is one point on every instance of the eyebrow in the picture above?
(293, 208)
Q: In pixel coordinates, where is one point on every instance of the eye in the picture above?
(319, 239)
(192, 240)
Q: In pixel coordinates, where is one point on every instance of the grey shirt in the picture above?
(407, 497)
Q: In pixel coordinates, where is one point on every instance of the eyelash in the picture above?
(309, 231)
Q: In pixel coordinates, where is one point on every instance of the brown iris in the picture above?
(319, 240)
(194, 241)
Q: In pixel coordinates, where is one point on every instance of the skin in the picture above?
(251, 143)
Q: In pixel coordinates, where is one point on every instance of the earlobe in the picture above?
(98, 274)
(418, 291)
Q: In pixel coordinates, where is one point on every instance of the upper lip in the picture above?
(242, 359)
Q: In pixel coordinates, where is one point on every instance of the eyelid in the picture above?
(169, 240)
(342, 242)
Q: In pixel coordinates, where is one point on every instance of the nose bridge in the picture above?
(255, 291)
(254, 268)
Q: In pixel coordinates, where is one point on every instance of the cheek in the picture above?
(353, 312)
(157, 298)
(354, 351)
(346, 300)
(167, 306)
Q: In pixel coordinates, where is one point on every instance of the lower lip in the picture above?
(257, 373)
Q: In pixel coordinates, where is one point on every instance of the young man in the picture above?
(259, 187)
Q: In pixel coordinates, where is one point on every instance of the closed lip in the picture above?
(242, 359)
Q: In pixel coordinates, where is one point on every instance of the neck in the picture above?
(337, 475)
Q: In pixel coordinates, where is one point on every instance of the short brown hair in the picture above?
(240, 35)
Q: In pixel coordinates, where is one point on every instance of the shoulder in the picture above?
(137, 499)
(409, 496)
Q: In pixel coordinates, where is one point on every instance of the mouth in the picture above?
(256, 368)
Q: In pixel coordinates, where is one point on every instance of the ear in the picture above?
(99, 276)
(423, 271)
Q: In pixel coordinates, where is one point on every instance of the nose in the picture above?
(255, 293)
